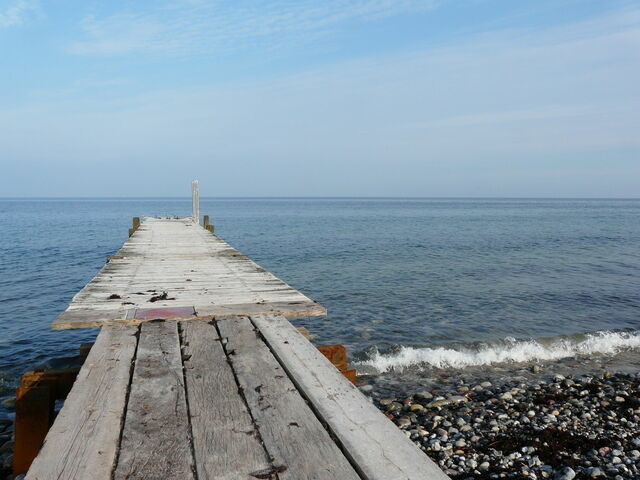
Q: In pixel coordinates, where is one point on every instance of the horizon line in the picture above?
(319, 197)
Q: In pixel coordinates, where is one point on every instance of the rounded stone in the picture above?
(567, 473)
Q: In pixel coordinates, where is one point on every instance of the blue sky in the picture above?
(320, 98)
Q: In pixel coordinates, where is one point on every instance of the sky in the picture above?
(472, 98)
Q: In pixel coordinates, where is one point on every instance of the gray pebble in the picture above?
(567, 473)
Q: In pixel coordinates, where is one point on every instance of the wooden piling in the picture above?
(34, 415)
(35, 402)
(206, 223)
(135, 222)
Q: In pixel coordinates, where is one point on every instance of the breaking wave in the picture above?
(506, 351)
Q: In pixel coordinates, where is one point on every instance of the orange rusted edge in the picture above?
(337, 355)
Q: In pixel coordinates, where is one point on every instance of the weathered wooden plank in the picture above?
(378, 448)
(83, 441)
(225, 441)
(292, 435)
(156, 438)
(287, 309)
(87, 319)
(80, 318)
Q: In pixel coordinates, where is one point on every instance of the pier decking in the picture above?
(201, 274)
(231, 390)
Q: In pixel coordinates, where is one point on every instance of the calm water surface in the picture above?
(408, 283)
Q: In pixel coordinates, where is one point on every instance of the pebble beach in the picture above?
(559, 428)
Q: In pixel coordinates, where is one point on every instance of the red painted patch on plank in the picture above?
(161, 313)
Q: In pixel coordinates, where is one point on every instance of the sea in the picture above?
(416, 289)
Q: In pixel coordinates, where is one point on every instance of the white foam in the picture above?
(507, 351)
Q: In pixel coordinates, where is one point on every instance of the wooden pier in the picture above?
(197, 374)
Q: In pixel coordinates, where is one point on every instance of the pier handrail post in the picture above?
(195, 201)
(135, 224)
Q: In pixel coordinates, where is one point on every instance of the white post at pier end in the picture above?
(195, 201)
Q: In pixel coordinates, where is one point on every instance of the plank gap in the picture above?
(126, 404)
(244, 398)
(186, 399)
(156, 440)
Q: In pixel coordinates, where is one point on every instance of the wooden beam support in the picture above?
(59, 382)
(34, 415)
(35, 402)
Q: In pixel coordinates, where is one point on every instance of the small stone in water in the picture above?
(423, 396)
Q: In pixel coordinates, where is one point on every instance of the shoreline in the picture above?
(559, 427)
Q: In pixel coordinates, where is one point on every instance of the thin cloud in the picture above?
(551, 111)
(18, 14)
(523, 115)
(197, 27)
